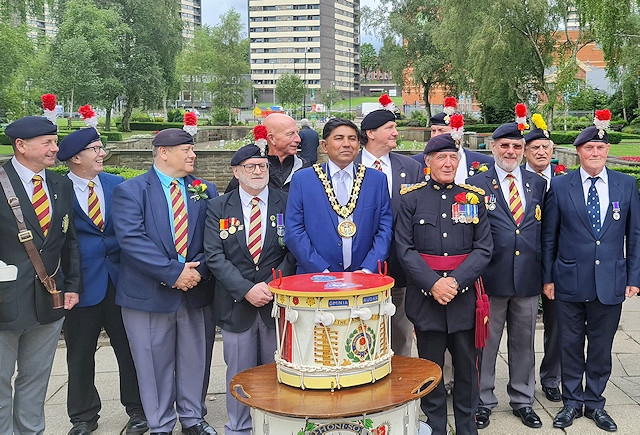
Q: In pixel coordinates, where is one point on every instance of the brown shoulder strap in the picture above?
(26, 238)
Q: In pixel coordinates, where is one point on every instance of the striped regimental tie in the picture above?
(377, 165)
(255, 233)
(41, 204)
(179, 218)
(94, 207)
(515, 205)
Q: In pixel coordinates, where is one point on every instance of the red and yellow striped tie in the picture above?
(377, 165)
(255, 234)
(94, 207)
(515, 205)
(41, 204)
(179, 218)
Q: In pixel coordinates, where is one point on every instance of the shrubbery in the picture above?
(116, 170)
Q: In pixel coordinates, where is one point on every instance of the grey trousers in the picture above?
(241, 353)
(33, 349)
(170, 354)
(520, 316)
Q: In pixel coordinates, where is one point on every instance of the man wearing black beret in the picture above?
(514, 199)
(84, 153)
(378, 138)
(590, 263)
(29, 323)
(165, 288)
(243, 242)
(443, 253)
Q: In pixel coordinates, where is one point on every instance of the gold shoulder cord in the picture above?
(472, 188)
(413, 187)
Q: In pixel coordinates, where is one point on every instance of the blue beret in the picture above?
(536, 133)
(76, 142)
(507, 131)
(30, 126)
(439, 119)
(172, 137)
(377, 118)
(591, 134)
(247, 152)
(442, 142)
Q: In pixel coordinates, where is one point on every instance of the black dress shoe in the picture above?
(137, 424)
(83, 427)
(202, 428)
(528, 416)
(482, 417)
(602, 419)
(553, 394)
(566, 416)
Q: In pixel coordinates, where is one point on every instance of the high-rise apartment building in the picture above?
(191, 14)
(319, 40)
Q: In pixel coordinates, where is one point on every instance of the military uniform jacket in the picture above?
(231, 263)
(424, 225)
(25, 302)
(515, 267)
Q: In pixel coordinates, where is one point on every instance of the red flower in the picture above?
(385, 100)
(86, 111)
(461, 198)
(521, 110)
(190, 118)
(196, 183)
(560, 169)
(450, 102)
(603, 115)
(456, 121)
(475, 165)
(522, 127)
(260, 132)
(48, 102)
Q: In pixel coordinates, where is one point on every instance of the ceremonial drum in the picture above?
(333, 329)
(391, 407)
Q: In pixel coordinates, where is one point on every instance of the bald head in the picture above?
(282, 135)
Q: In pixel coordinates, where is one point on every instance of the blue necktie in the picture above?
(593, 206)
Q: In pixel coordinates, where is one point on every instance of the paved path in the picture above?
(623, 390)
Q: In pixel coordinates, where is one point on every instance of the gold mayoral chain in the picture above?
(345, 228)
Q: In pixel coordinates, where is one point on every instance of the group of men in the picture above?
(142, 257)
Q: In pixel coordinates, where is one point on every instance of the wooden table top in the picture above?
(410, 379)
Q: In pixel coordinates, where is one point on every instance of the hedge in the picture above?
(105, 136)
(568, 137)
(116, 170)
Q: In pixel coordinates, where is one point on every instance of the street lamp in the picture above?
(274, 85)
(304, 99)
(29, 83)
(349, 82)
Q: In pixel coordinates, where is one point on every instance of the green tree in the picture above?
(328, 97)
(17, 50)
(290, 90)
(230, 53)
(195, 64)
(368, 59)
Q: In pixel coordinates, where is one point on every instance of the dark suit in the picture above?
(424, 226)
(590, 274)
(309, 143)
(29, 326)
(513, 282)
(403, 171)
(550, 364)
(100, 259)
(182, 336)
(312, 235)
(236, 273)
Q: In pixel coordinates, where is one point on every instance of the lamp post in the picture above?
(349, 82)
(274, 85)
(304, 99)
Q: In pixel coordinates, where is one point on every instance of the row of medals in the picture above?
(233, 225)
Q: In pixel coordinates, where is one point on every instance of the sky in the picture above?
(213, 9)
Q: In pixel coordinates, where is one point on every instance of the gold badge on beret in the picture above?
(65, 223)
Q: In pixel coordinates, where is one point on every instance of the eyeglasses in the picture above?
(96, 149)
(250, 167)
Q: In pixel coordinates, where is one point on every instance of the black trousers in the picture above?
(466, 389)
(82, 326)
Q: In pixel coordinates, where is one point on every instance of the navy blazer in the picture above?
(149, 263)
(404, 171)
(25, 302)
(515, 265)
(99, 250)
(311, 233)
(584, 267)
(232, 265)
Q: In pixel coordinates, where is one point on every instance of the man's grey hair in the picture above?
(304, 122)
